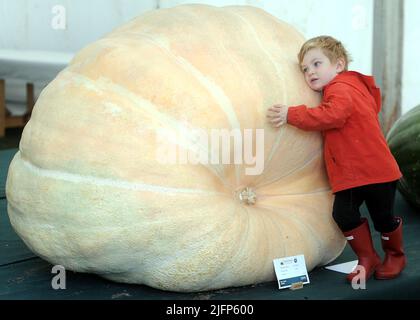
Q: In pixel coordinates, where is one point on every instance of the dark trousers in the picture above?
(379, 200)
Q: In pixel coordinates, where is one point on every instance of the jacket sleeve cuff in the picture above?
(294, 115)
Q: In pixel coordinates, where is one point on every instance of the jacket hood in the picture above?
(361, 81)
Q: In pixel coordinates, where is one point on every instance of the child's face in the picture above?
(319, 70)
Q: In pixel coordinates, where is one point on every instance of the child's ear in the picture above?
(340, 65)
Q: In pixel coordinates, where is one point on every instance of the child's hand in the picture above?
(277, 115)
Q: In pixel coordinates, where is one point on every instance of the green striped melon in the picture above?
(404, 142)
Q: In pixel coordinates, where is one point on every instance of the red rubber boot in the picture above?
(395, 259)
(360, 241)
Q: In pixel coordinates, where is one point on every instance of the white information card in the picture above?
(291, 271)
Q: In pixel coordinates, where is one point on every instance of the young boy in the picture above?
(359, 163)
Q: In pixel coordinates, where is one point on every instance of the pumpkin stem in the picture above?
(248, 196)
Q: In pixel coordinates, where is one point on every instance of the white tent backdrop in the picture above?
(66, 26)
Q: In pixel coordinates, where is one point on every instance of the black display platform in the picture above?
(25, 276)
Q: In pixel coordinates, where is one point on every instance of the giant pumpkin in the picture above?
(86, 189)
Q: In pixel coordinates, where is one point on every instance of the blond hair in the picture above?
(331, 47)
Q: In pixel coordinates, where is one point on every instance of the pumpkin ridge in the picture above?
(314, 157)
(274, 146)
(263, 196)
(222, 100)
(266, 53)
(238, 255)
(280, 75)
(219, 96)
(149, 107)
(72, 177)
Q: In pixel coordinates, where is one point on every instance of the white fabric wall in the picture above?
(411, 57)
(351, 21)
(28, 24)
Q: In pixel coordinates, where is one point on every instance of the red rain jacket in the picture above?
(355, 150)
